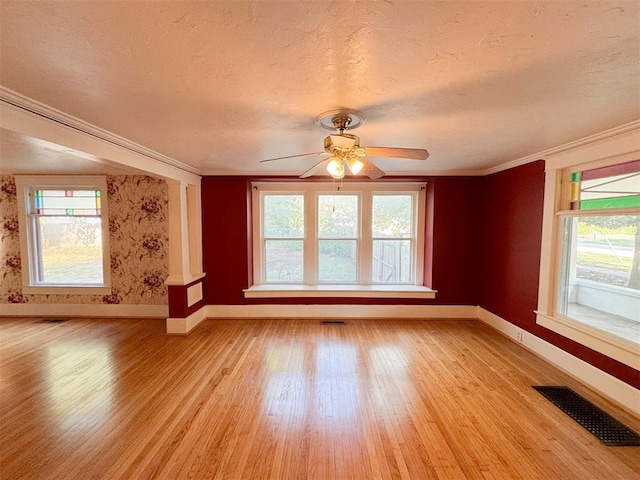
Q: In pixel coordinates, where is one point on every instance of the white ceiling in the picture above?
(220, 85)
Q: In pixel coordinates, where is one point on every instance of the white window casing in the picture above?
(363, 286)
(29, 252)
(618, 148)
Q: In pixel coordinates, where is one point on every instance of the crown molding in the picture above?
(581, 142)
(22, 102)
(289, 173)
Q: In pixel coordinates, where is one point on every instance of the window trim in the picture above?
(259, 289)
(618, 148)
(26, 183)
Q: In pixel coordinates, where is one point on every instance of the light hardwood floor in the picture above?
(287, 399)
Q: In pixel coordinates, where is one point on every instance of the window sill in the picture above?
(618, 348)
(353, 291)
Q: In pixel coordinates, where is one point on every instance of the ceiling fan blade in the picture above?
(316, 168)
(370, 170)
(292, 156)
(408, 153)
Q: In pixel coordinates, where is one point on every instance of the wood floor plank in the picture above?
(288, 399)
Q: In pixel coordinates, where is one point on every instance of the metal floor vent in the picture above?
(333, 322)
(608, 430)
(54, 320)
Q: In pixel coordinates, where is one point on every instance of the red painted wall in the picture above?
(227, 243)
(510, 244)
(510, 260)
(225, 239)
(457, 231)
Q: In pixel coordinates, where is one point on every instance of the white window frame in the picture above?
(364, 287)
(24, 185)
(618, 148)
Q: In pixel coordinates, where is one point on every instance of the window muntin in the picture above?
(66, 241)
(338, 245)
(68, 202)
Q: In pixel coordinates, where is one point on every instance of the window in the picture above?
(326, 238)
(597, 284)
(66, 241)
(589, 288)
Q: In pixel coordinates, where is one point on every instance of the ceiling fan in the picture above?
(346, 154)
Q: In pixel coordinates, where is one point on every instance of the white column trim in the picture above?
(179, 263)
(181, 282)
(182, 326)
(194, 220)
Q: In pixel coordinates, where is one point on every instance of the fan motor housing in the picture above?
(341, 144)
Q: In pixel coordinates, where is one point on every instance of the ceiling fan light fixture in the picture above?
(355, 164)
(344, 150)
(335, 167)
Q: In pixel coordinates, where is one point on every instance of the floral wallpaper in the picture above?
(138, 241)
(11, 285)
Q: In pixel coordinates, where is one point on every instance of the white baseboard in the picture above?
(341, 311)
(605, 384)
(182, 326)
(82, 310)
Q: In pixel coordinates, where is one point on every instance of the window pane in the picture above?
(67, 202)
(599, 284)
(391, 261)
(283, 216)
(392, 216)
(337, 260)
(70, 250)
(613, 186)
(283, 261)
(337, 216)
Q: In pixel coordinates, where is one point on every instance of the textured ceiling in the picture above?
(221, 85)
